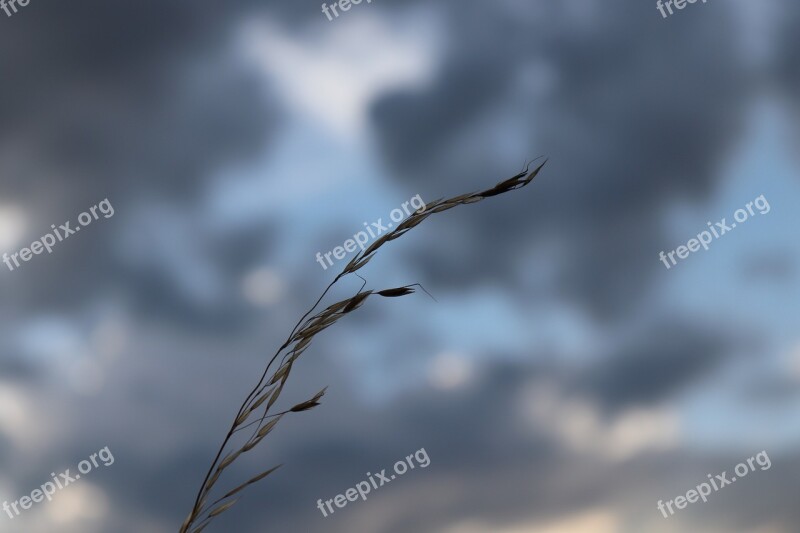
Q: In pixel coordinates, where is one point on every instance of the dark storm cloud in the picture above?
(108, 87)
(630, 119)
(475, 474)
(487, 464)
(787, 43)
(488, 461)
(416, 126)
(129, 102)
(660, 362)
(334, 446)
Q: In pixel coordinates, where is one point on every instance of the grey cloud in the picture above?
(128, 102)
(622, 123)
(658, 363)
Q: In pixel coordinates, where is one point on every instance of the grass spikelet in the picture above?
(269, 387)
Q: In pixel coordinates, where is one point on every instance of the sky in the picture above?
(563, 379)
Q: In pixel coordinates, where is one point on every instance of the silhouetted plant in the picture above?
(268, 390)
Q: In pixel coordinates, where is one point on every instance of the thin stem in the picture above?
(250, 396)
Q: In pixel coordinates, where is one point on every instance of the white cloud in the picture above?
(22, 421)
(13, 224)
(450, 371)
(263, 287)
(590, 521)
(580, 426)
(79, 505)
(334, 75)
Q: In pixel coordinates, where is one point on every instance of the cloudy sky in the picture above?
(563, 381)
